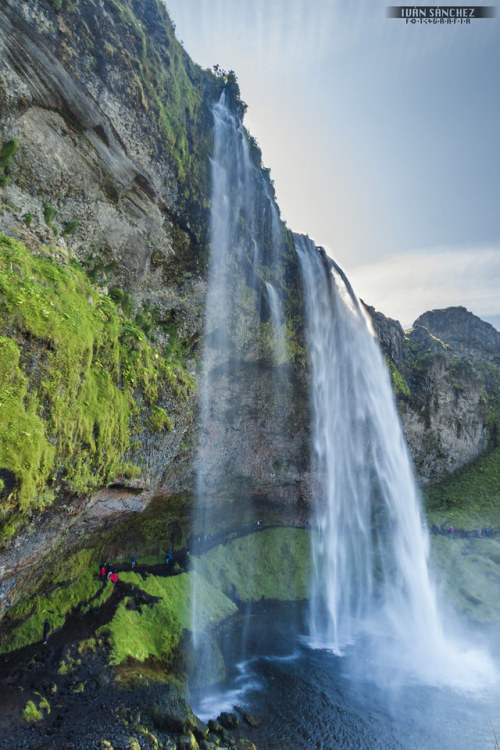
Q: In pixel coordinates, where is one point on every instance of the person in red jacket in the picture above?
(113, 577)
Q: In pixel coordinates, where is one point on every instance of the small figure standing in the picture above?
(132, 562)
(113, 577)
(46, 631)
(168, 557)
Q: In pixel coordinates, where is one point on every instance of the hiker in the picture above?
(168, 558)
(102, 572)
(46, 631)
(113, 577)
(132, 562)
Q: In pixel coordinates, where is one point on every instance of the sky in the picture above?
(382, 138)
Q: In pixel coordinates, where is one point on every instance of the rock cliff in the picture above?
(447, 382)
(105, 137)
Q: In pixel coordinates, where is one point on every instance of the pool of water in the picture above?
(306, 698)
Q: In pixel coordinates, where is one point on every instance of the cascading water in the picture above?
(369, 544)
(371, 579)
(244, 328)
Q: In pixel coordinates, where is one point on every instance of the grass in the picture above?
(470, 497)
(271, 564)
(468, 573)
(7, 153)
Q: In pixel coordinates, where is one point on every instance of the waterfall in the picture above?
(370, 547)
(369, 543)
(244, 334)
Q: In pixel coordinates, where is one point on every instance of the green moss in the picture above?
(7, 152)
(71, 367)
(155, 631)
(25, 449)
(468, 570)
(271, 564)
(470, 496)
(53, 606)
(70, 584)
(31, 713)
(123, 299)
(43, 703)
(399, 385)
(70, 227)
(279, 559)
(48, 213)
(159, 421)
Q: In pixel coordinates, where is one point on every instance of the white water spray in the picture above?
(370, 545)
(246, 247)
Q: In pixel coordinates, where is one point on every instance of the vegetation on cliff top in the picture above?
(470, 496)
(75, 379)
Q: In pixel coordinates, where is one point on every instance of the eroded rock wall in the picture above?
(447, 383)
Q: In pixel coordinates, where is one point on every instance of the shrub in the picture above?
(48, 213)
(70, 227)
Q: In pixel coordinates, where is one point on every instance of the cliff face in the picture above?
(447, 382)
(105, 137)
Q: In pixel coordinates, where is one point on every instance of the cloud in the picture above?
(406, 285)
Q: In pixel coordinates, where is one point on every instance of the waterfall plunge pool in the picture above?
(312, 699)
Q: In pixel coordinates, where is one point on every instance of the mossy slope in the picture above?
(469, 573)
(75, 379)
(71, 584)
(469, 497)
(280, 559)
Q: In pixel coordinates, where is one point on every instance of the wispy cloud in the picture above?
(404, 286)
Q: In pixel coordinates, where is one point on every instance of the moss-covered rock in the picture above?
(270, 564)
(75, 377)
(155, 631)
(71, 584)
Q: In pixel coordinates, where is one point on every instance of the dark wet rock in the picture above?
(250, 719)
(228, 720)
(171, 712)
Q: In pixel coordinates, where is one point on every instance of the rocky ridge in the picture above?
(447, 383)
